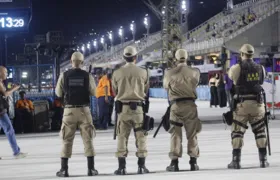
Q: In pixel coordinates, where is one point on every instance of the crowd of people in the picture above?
(233, 23)
(220, 90)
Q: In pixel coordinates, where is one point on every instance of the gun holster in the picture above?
(228, 118)
(260, 99)
(118, 106)
(148, 123)
(233, 104)
(146, 106)
(133, 105)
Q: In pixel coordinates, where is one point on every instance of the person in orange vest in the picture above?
(103, 94)
(111, 98)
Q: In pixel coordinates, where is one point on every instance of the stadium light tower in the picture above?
(163, 11)
(184, 5)
(184, 9)
(121, 34)
(133, 29)
(95, 45)
(83, 48)
(173, 14)
(110, 35)
(102, 41)
(147, 23)
(229, 4)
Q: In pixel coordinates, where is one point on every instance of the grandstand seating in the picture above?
(226, 28)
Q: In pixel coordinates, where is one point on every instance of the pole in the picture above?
(112, 50)
(133, 36)
(38, 78)
(6, 50)
(266, 123)
(1, 52)
(148, 33)
(273, 87)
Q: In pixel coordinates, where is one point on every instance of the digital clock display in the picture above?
(11, 23)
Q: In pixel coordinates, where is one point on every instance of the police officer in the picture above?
(248, 77)
(181, 82)
(130, 84)
(76, 86)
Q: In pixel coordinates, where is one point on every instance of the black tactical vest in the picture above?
(76, 87)
(251, 78)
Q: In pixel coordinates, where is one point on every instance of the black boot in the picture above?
(122, 169)
(64, 168)
(173, 166)
(263, 158)
(236, 158)
(141, 166)
(193, 163)
(91, 170)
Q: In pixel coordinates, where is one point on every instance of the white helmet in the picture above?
(181, 54)
(247, 49)
(130, 51)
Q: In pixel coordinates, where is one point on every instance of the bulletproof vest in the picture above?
(76, 87)
(250, 79)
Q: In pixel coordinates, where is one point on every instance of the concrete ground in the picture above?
(205, 113)
(214, 141)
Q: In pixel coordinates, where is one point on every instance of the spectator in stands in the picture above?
(228, 86)
(244, 19)
(213, 91)
(251, 17)
(208, 27)
(5, 121)
(24, 103)
(24, 114)
(215, 26)
(102, 95)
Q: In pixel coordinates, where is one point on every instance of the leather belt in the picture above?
(248, 98)
(76, 106)
(137, 103)
(182, 99)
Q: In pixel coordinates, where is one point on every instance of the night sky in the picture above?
(74, 16)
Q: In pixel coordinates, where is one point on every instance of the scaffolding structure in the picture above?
(173, 15)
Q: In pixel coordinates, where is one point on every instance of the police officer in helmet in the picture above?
(248, 77)
(130, 84)
(76, 86)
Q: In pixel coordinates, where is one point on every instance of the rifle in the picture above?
(266, 117)
(158, 128)
(89, 69)
(116, 125)
(165, 122)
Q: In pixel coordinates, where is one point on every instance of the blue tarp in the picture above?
(203, 93)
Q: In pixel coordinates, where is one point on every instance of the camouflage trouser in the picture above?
(252, 112)
(127, 120)
(74, 118)
(184, 114)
